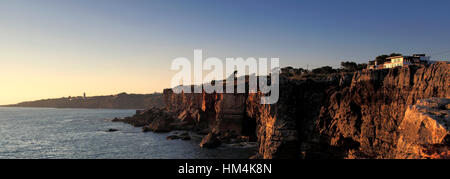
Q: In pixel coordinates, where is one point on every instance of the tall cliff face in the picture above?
(209, 112)
(287, 129)
(338, 116)
(367, 113)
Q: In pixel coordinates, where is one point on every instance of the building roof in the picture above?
(395, 57)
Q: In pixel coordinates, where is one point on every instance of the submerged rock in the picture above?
(172, 137)
(112, 130)
(183, 136)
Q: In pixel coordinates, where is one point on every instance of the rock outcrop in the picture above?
(425, 130)
(210, 141)
(153, 119)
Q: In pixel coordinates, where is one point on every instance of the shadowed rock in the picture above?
(210, 141)
(112, 130)
(183, 136)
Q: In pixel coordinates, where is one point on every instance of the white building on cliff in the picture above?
(399, 61)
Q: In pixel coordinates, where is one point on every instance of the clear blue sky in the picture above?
(112, 46)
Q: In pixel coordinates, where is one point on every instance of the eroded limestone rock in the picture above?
(423, 131)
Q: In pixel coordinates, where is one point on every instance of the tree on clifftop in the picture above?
(395, 54)
(352, 66)
(291, 71)
(381, 59)
(324, 70)
(349, 66)
(361, 66)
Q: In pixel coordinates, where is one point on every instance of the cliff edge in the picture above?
(364, 117)
(365, 114)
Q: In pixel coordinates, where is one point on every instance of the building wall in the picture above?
(395, 62)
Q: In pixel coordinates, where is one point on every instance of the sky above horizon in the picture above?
(57, 48)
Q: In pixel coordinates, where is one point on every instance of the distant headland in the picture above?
(118, 101)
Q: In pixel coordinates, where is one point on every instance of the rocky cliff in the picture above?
(366, 114)
(353, 115)
(364, 117)
(220, 113)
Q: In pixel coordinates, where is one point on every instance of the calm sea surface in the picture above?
(80, 133)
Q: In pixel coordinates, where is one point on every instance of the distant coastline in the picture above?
(118, 101)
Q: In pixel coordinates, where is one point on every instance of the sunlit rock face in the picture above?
(367, 114)
(218, 113)
(348, 115)
(424, 131)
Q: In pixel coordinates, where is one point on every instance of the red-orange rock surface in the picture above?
(425, 130)
(353, 115)
(369, 111)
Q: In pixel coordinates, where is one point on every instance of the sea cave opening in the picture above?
(249, 128)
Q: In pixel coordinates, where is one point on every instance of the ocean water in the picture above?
(80, 133)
